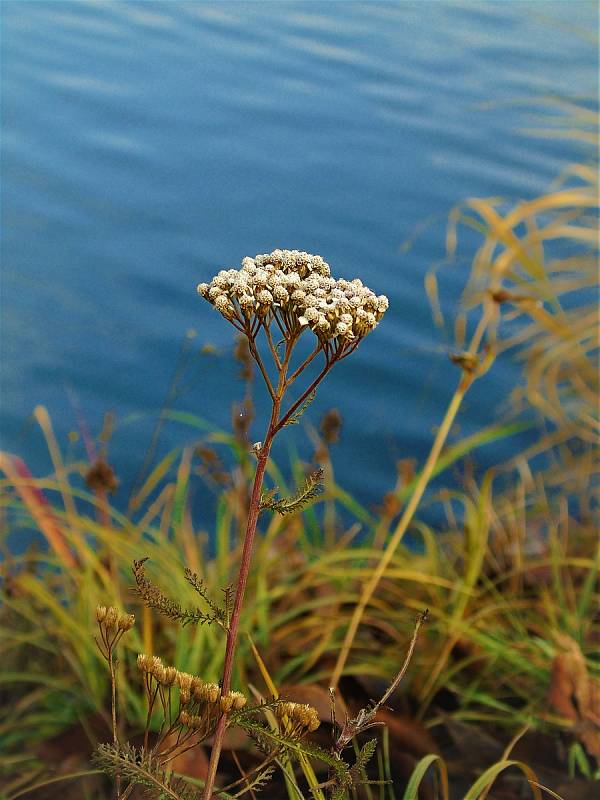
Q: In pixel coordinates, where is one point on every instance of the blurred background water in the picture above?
(148, 144)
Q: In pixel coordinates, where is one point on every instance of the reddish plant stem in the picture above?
(253, 514)
(275, 425)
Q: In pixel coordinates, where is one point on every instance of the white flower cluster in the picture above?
(298, 287)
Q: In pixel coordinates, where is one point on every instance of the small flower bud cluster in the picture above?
(207, 693)
(192, 689)
(299, 288)
(232, 701)
(168, 676)
(191, 720)
(303, 718)
(152, 665)
(112, 620)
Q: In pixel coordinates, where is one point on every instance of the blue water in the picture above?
(148, 144)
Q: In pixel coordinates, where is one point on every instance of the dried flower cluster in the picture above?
(301, 718)
(111, 619)
(296, 288)
(192, 689)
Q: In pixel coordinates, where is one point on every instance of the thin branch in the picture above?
(253, 771)
(281, 327)
(261, 366)
(272, 347)
(394, 684)
(304, 364)
(113, 708)
(304, 395)
(254, 328)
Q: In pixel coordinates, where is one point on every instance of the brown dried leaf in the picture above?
(575, 695)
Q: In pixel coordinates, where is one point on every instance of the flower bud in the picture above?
(142, 662)
(155, 666)
(210, 692)
(224, 306)
(184, 681)
(126, 622)
(170, 676)
(226, 703)
(239, 701)
(184, 718)
(110, 620)
(184, 697)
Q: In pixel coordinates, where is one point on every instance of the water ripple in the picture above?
(147, 144)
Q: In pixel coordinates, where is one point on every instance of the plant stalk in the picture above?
(113, 697)
(232, 633)
(275, 425)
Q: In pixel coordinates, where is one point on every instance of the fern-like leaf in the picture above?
(340, 793)
(200, 587)
(288, 505)
(365, 755)
(258, 782)
(348, 779)
(140, 768)
(295, 418)
(268, 497)
(154, 598)
(269, 740)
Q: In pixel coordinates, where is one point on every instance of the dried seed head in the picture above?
(170, 676)
(210, 693)
(155, 666)
(184, 718)
(100, 613)
(101, 476)
(314, 724)
(307, 717)
(126, 622)
(299, 714)
(184, 681)
(284, 708)
(226, 703)
(142, 662)
(239, 701)
(110, 620)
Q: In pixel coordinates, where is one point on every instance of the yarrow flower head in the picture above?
(297, 288)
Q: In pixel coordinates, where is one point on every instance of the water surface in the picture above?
(147, 145)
